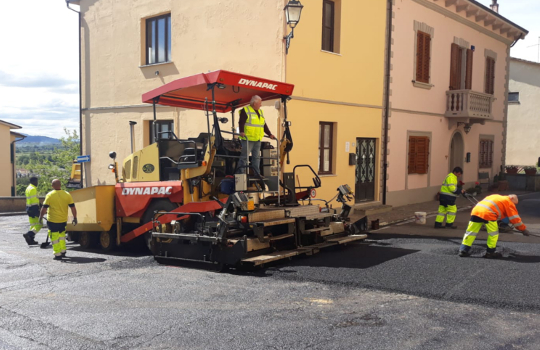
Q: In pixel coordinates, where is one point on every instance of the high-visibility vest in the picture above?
(497, 207)
(450, 185)
(31, 196)
(254, 127)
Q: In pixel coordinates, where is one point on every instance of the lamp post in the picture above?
(293, 10)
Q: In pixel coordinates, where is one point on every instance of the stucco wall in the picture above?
(206, 36)
(6, 175)
(345, 88)
(418, 110)
(523, 143)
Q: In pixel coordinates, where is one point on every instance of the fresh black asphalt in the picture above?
(404, 288)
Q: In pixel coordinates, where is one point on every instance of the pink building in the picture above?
(448, 95)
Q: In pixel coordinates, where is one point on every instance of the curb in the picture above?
(13, 214)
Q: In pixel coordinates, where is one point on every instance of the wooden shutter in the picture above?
(468, 76)
(489, 154)
(486, 154)
(418, 154)
(412, 155)
(455, 67)
(423, 59)
(490, 76)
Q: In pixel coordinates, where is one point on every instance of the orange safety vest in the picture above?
(497, 207)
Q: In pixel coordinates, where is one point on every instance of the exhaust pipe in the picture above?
(131, 127)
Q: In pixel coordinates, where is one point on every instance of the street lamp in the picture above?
(293, 10)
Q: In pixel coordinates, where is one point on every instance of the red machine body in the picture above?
(132, 198)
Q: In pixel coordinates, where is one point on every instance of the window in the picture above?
(418, 154)
(513, 97)
(461, 64)
(490, 76)
(165, 128)
(326, 142)
(423, 56)
(328, 25)
(486, 154)
(158, 39)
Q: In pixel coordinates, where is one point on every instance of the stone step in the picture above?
(371, 208)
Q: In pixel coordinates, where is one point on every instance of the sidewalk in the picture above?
(406, 212)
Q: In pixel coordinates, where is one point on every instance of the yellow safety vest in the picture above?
(31, 196)
(450, 185)
(254, 127)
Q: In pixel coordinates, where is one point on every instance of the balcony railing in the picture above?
(469, 104)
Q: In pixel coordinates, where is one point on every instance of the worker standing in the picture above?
(252, 129)
(450, 190)
(56, 203)
(487, 212)
(32, 209)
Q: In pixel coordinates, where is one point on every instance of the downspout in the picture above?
(387, 95)
(12, 149)
(80, 91)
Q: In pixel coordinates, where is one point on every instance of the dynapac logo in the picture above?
(146, 191)
(258, 84)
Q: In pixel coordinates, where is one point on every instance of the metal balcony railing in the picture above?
(469, 104)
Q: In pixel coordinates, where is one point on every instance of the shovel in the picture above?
(45, 244)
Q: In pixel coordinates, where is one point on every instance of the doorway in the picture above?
(365, 170)
(457, 147)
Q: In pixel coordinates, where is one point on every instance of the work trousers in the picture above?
(448, 209)
(57, 234)
(253, 147)
(33, 219)
(474, 227)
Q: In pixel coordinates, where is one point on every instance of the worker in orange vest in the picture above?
(487, 212)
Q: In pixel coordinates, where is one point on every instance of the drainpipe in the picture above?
(13, 158)
(80, 91)
(387, 96)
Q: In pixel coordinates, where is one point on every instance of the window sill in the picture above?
(421, 85)
(156, 64)
(331, 53)
(514, 102)
(327, 175)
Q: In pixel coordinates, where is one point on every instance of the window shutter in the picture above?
(455, 67)
(419, 56)
(427, 58)
(412, 155)
(482, 154)
(468, 76)
(490, 76)
(423, 52)
(422, 153)
(489, 151)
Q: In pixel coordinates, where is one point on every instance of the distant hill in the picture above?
(41, 140)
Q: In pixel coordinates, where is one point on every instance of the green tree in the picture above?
(56, 165)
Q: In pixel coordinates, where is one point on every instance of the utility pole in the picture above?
(537, 45)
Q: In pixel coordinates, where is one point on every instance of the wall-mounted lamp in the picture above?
(293, 10)
(466, 127)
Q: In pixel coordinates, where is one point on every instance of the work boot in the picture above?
(29, 237)
(438, 225)
(464, 254)
(63, 255)
(452, 226)
(493, 255)
(57, 258)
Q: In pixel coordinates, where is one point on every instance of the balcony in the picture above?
(469, 104)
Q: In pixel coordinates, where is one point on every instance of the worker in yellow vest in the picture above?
(450, 190)
(32, 209)
(252, 127)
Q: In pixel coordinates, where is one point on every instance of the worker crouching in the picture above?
(447, 199)
(487, 212)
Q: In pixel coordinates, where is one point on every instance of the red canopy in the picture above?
(191, 92)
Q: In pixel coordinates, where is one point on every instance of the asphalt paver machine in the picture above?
(188, 200)
(232, 216)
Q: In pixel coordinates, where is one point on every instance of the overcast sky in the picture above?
(39, 60)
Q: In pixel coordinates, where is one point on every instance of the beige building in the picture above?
(8, 180)
(129, 49)
(522, 142)
(449, 87)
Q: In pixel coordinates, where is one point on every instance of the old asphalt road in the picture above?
(403, 289)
